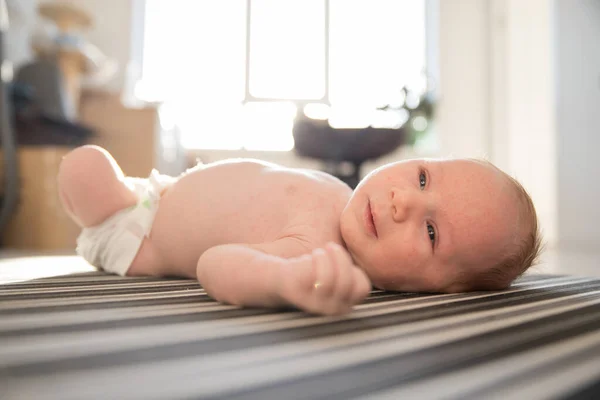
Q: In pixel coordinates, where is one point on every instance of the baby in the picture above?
(262, 235)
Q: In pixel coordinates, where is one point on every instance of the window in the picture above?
(351, 56)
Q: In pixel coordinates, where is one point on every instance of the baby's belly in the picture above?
(241, 203)
(186, 225)
(180, 236)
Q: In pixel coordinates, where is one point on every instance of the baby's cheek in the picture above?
(388, 267)
(410, 254)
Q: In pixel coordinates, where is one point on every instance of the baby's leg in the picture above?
(91, 187)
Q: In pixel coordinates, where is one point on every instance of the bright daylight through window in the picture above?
(195, 54)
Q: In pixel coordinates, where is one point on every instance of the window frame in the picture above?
(249, 97)
(135, 65)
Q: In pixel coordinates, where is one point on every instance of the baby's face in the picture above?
(417, 225)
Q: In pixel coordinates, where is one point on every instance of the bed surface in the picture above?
(92, 335)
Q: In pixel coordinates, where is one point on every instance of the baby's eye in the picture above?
(422, 180)
(431, 233)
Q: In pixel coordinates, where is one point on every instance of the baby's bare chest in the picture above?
(247, 203)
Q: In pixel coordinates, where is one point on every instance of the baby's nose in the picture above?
(403, 202)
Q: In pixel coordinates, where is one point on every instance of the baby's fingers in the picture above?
(353, 285)
(340, 259)
(361, 285)
(325, 273)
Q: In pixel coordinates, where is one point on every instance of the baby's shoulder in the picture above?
(229, 164)
(317, 205)
(266, 179)
(329, 179)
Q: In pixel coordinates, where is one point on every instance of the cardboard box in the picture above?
(39, 221)
(134, 136)
(129, 134)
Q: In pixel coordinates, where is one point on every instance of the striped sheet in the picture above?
(100, 336)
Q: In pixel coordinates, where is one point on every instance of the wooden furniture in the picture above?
(134, 136)
(39, 222)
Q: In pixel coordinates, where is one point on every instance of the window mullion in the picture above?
(326, 95)
(248, 97)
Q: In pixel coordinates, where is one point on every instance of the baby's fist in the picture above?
(326, 282)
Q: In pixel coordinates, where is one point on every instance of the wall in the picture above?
(463, 113)
(111, 31)
(522, 101)
(22, 21)
(531, 106)
(578, 122)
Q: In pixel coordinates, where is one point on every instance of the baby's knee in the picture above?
(90, 185)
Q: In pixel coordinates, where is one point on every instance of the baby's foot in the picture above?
(324, 282)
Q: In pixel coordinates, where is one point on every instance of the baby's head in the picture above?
(441, 226)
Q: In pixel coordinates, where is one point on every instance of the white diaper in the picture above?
(113, 244)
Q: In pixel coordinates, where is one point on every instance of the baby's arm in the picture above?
(323, 282)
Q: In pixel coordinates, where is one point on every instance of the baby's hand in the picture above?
(324, 282)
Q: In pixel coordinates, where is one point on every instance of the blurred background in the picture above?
(338, 85)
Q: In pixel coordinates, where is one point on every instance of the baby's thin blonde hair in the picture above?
(520, 255)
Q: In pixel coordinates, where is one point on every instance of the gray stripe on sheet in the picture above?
(94, 302)
(91, 281)
(124, 346)
(529, 368)
(104, 290)
(580, 366)
(418, 356)
(441, 299)
(391, 371)
(156, 344)
(109, 318)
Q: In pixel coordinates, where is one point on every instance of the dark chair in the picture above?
(339, 147)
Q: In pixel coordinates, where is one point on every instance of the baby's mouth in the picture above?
(370, 220)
